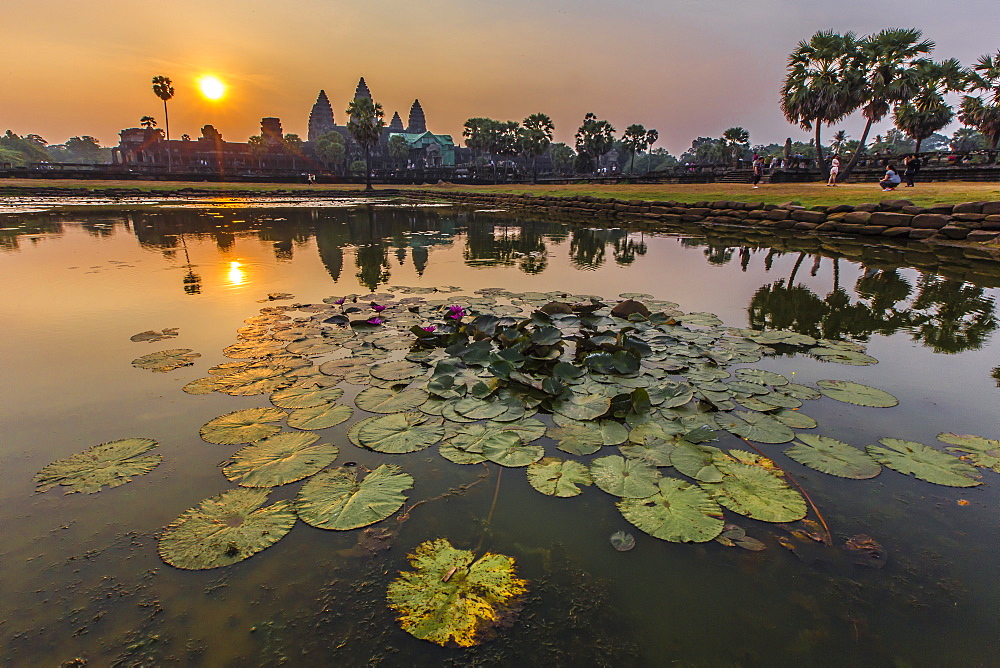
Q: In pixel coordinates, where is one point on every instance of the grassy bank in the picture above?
(807, 194)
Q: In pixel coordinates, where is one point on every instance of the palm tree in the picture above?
(651, 137)
(634, 141)
(330, 148)
(366, 127)
(258, 149)
(966, 139)
(536, 137)
(163, 88)
(147, 122)
(984, 114)
(293, 146)
(839, 139)
(594, 138)
(736, 140)
(887, 60)
(823, 84)
(928, 112)
(398, 149)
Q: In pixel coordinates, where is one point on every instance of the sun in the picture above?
(211, 87)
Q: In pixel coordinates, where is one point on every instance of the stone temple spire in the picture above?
(362, 90)
(321, 117)
(417, 123)
(397, 124)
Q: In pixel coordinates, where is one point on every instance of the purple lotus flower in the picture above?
(378, 308)
(340, 301)
(375, 321)
(456, 312)
(429, 328)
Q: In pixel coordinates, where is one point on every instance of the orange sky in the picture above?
(685, 67)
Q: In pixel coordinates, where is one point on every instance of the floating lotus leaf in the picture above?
(851, 357)
(153, 335)
(448, 413)
(480, 409)
(983, 452)
(747, 387)
(670, 395)
(556, 477)
(305, 397)
(320, 417)
(201, 386)
(658, 428)
(529, 429)
(105, 465)
(679, 512)
(335, 499)
(582, 406)
(803, 392)
(698, 461)
(255, 380)
(470, 440)
(352, 431)
(225, 529)
(315, 346)
(507, 449)
(653, 452)
(622, 541)
(279, 459)
(253, 349)
(400, 370)
(779, 400)
(754, 491)
(795, 419)
(762, 377)
(383, 400)
(401, 432)
(857, 394)
(920, 461)
(755, 404)
(834, 457)
(456, 455)
(342, 367)
(245, 426)
(452, 597)
(628, 478)
(756, 427)
(585, 438)
(165, 360)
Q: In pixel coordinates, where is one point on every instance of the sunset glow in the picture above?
(236, 275)
(211, 87)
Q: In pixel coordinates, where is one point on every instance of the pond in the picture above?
(81, 575)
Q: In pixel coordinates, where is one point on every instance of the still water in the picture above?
(81, 579)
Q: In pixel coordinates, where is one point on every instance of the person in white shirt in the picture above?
(834, 170)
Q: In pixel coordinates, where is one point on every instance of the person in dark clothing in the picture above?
(912, 169)
(758, 170)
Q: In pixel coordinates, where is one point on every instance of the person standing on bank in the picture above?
(834, 170)
(758, 170)
(891, 178)
(912, 169)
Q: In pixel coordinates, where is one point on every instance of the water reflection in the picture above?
(236, 275)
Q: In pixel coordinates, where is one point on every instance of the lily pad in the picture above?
(225, 529)
(795, 419)
(480, 409)
(452, 597)
(653, 452)
(983, 452)
(679, 512)
(556, 477)
(698, 461)
(507, 449)
(920, 461)
(754, 491)
(383, 400)
(856, 393)
(305, 397)
(105, 465)
(245, 426)
(400, 370)
(279, 459)
(627, 478)
(166, 360)
(761, 377)
(253, 349)
(582, 406)
(255, 380)
(401, 433)
(834, 457)
(320, 417)
(335, 499)
(757, 427)
(851, 357)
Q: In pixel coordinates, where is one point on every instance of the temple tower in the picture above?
(397, 123)
(321, 117)
(362, 90)
(270, 131)
(417, 123)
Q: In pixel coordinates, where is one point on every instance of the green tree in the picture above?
(258, 149)
(507, 142)
(824, 82)
(983, 111)
(147, 122)
(927, 112)
(535, 138)
(163, 88)
(634, 141)
(593, 139)
(365, 125)
(293, 147)
(331, 149)
(888, 59)
(37, 140)
(839, 141)
(481, 136)
(652, 136)
(737, 142)
(398, 149)
(562, 158)
(967, 139)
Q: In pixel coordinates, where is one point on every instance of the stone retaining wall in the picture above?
(969, 222)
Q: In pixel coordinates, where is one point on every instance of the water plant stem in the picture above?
(496, 493)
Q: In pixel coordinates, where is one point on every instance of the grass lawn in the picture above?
(807, 194)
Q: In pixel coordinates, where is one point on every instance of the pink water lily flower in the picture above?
(375, 321)
(429, 328)
(456, 312)
(340, 301)
(378, 308)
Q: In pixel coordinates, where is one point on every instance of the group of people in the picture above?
(890, 181)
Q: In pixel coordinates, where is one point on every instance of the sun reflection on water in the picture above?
(236, 274)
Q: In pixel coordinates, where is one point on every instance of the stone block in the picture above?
(894, 204)
(756, 215)
(867, 206)
(828, 226)
(777, 214)
(992, 222)
(954, 231)
(802, 225)
(809, 216)
(897, 232)
(914, 210)
(840, 208)
(890, 219)
(922, 234)
(930, 221)
(846, 228)
(783, 224)
(698, 211)
(872, 230)
(969, 217)
(969, 207)
(991, 208)
(982, 235)
(944, 209)
(857, 217)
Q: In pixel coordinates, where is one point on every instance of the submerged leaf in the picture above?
(452, 597)
(225, 529)
(335, 499)
(622, 541)
(556, 477)
(834, 457)
(920, 461)
(104, 465)
(279, 459)
(679, 512)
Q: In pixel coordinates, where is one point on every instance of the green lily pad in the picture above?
(698, 461)
(305, 397)
(480, 409)
(628, 478)
(757, 427)
(400, 370)
(761, 377)
(452, 597)
(335, 499)
(653, 452)
(245, 426)
(834, 457)
(795, 419)
(754, 491)
(507, 449)
(255, 380)
(556, 477)
(856, 393)
(529, 429)
(983, 452)
(466, 446)
(401, 432)
(165, 360)
(582, 406)
(225, 529)
(320, 417)
(679, 512)
(839, 356)
(279, 459)
(201, 386)
(383, 400)
(352, 431)
(920, 461)
(105, 465)
(254, 349)
(803, 392)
